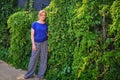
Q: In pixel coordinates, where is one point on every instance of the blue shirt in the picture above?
(40, 31)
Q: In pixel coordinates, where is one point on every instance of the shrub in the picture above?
(77, 49)
(20, 48)
(6, 9)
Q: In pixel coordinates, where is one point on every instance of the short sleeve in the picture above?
(33, 25)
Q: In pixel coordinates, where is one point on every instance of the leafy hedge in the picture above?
(7, 7)
(20, 48)
(77, 47)
(80, 48)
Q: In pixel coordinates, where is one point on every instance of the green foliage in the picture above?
(112, 57)
(20, 48)
(60, 56)
(4, 54)
(115, 27)
(112, 63)
(85, 56)
(77, 50)
(6, 8)
(78, 26)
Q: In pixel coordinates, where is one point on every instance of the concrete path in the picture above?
(8, 72)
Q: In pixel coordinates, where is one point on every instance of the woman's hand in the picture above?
(34, 47)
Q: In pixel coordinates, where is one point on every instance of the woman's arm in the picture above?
(32, 39)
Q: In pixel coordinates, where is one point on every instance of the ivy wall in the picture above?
(84, 39)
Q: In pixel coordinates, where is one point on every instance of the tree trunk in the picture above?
(104, 30)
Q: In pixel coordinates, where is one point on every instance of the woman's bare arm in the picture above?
(32, 39)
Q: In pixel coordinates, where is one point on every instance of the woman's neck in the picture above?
(40, 21)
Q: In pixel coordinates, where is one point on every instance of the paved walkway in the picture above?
(8, 72)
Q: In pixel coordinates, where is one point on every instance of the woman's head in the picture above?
(42, 15)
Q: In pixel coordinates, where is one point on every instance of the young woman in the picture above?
(39, 39)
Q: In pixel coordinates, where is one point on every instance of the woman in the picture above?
(39, 38)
